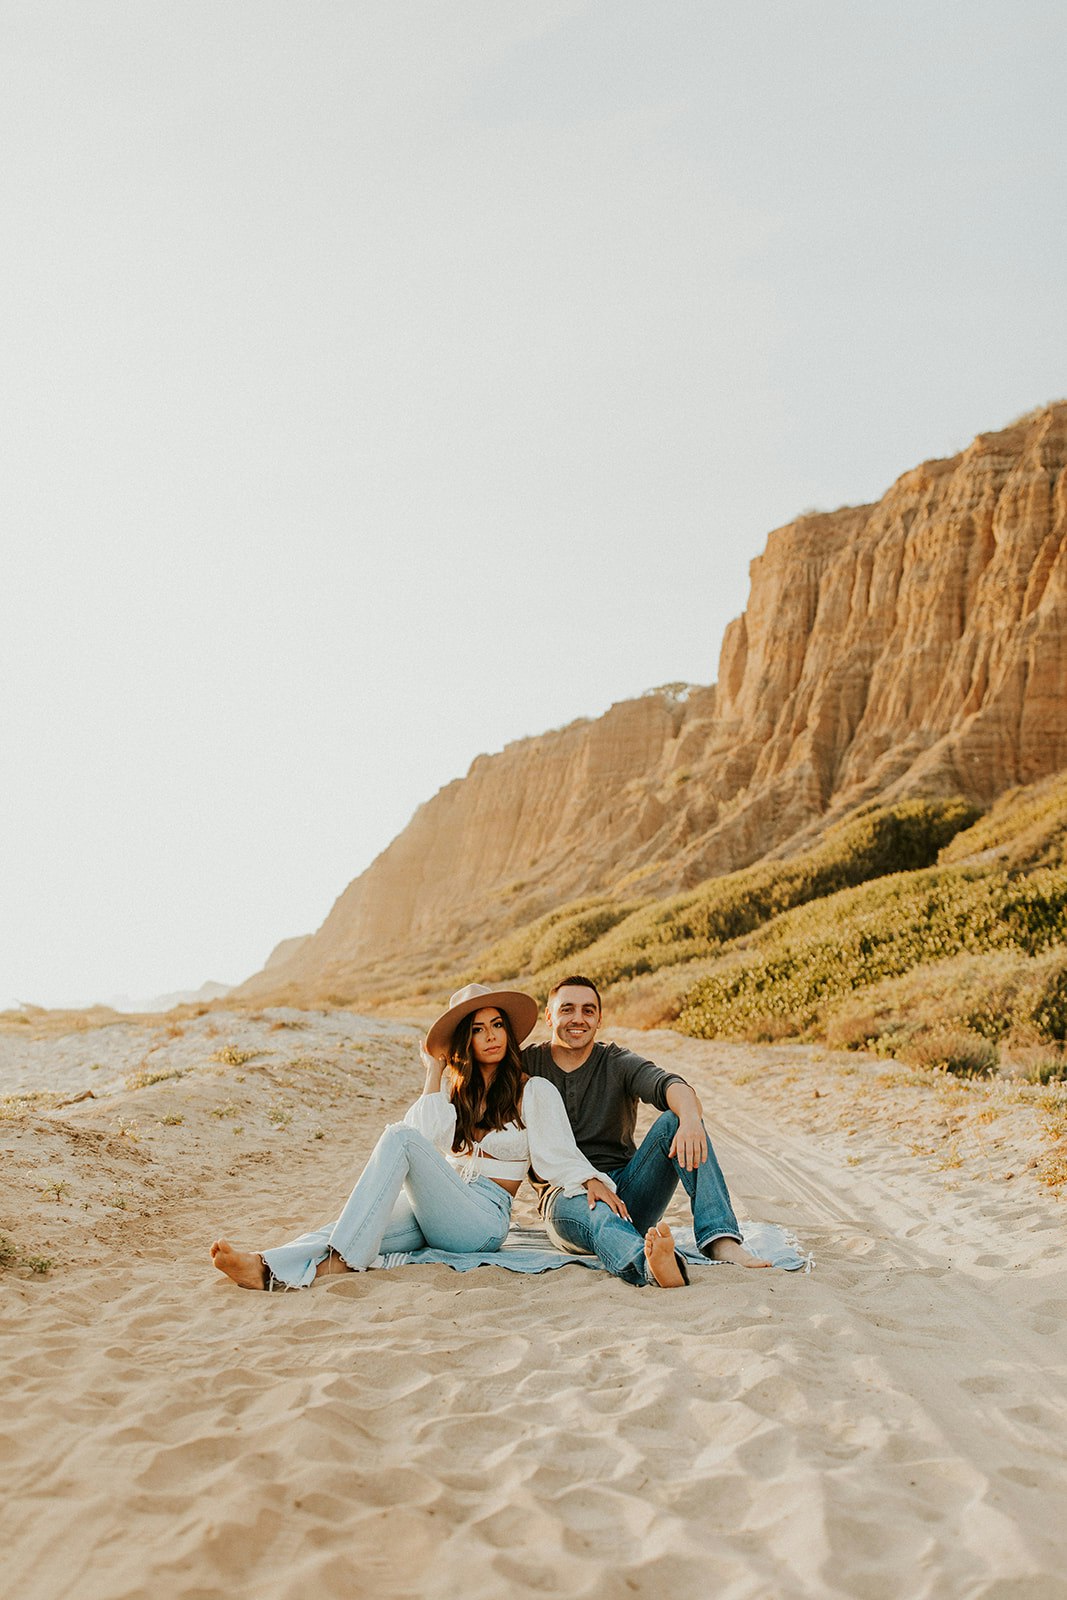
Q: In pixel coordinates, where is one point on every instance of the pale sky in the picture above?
(384, 381)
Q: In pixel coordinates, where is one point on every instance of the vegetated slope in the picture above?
(1025, 828)
(700, 923)
(963, 965)
(916, 647)
(906, 930)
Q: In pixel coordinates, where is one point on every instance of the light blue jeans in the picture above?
(407, 1197)
(646, 1184)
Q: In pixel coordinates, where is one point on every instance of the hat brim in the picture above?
(522, 1011)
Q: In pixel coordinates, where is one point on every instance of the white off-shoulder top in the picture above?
(546, 1143)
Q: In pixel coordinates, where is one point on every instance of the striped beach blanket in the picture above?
(529, 1250)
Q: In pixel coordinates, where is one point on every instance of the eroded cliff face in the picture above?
(540, 822)
(918, 645)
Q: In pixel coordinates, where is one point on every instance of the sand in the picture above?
(892, 1425)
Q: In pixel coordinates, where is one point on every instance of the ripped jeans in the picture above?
(408, 1196)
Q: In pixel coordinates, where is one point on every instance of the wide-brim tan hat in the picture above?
(522, 1010)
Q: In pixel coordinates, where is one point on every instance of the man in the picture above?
(601, 1085)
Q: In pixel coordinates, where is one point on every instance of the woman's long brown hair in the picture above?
(476, 1110)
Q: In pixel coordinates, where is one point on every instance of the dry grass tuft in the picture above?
(853, 1030)
(231, 1056)
(1051, 1168)
(956, 1050)
(144, 1077)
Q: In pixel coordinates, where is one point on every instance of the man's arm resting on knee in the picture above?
(689, 1147)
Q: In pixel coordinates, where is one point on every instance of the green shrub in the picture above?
(1049, 1013)
(514, 955)
(849, 941)
(573, 933)
(989, 1017)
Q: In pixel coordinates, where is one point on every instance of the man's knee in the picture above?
(666, 1126)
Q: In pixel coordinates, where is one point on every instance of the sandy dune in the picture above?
(892, 1425)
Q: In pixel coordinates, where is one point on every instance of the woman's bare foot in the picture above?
(331, 1265)
(662, 1262)
(243, 1266)
(736, 1254)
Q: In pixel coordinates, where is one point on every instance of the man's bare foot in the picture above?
(243, 1266)
(736, 1254)
(662, 1262)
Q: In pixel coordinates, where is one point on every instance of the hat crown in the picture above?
(470, 992)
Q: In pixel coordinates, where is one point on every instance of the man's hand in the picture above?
(689, 1147)
(597, 1190)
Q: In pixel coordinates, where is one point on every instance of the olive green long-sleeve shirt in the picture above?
(601, 1097)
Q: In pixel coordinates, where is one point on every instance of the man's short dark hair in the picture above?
(576, 981)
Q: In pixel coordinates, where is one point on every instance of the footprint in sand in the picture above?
(1031, 1416)
(1027, 1478)
(983, 1385)
(182, 1464)
(511, 1527)
(768, 1454)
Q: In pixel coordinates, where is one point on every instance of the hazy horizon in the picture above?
(390, 382)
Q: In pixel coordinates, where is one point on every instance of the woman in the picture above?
(447, 1174)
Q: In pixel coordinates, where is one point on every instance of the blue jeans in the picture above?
(408, 1196)
(646, 1184)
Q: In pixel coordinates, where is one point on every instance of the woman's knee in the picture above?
(399, 1136)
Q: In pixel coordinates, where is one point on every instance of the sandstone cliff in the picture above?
(918, 645)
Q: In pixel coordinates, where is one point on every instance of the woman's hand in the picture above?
(434, 1066)
(597, 1190)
